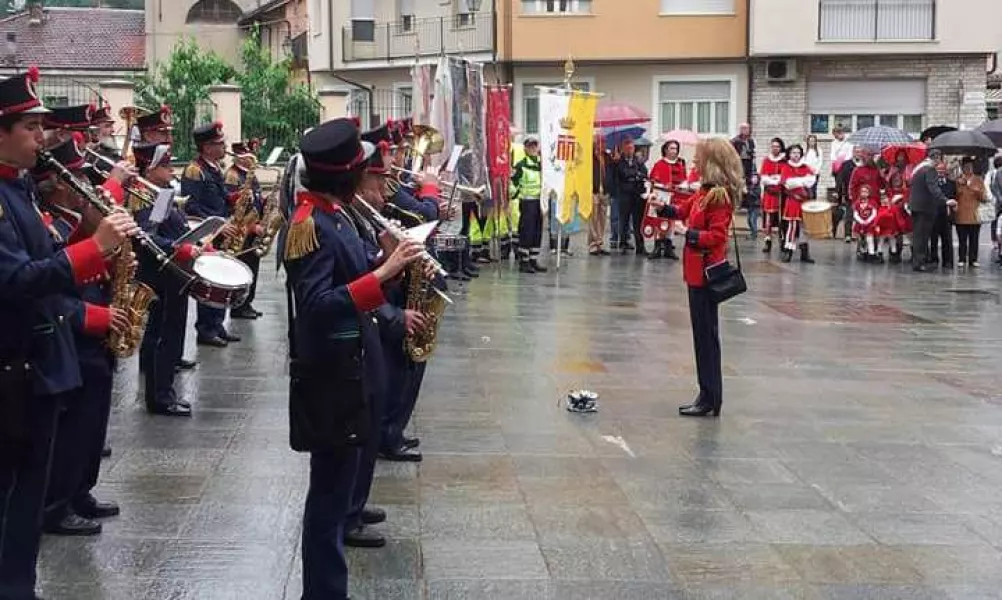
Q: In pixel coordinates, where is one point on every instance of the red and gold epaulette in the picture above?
(302, 235)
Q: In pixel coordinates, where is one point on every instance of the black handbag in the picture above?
(724, 280)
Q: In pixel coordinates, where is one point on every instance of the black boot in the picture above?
(805, 254)
(670, 250)
(656, 253)
(896, 258)
(786, 255)
(467, 267)
(767, 248)
(524, 266)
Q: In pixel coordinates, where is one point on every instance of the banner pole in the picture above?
(568, 74)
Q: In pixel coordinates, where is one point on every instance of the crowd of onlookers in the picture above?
(871, 196)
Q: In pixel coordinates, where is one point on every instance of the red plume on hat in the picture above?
(383, 146)
(357, 121)
(32, 74)
(79, 140)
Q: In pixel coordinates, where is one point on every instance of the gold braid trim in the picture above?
(717, 194)
(301, 239)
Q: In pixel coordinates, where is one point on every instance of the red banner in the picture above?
(499, 133)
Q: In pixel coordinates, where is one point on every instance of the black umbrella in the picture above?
(993, 129)
(967, 142)
(935, 131)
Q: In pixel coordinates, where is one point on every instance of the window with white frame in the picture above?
(463, 15)
(858, 104)
(876, 20)
(530, 102)
(700, 106)
(556, 7)
(697, 7)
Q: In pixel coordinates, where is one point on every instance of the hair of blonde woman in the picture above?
(719, 165)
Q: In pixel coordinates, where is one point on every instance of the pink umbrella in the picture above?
(682, 136)
(615, 114)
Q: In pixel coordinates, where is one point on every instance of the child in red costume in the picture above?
(669, 174)
(797, 179)
(771, 175)
(865, 212)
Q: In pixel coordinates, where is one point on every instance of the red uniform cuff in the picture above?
(428, 190)
(114, 187)
(97, 320)
(86, 260)
(185, 252)
(366, 293)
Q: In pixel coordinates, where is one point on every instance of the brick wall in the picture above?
(780, 110)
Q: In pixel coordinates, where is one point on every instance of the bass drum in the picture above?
(817, 217)
(223, 281)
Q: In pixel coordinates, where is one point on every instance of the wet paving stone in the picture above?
(857, 456)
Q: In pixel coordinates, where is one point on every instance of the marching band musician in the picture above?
(670, 173)
(241, 173)
(157, 127)
(771, 175)
(797, 178)
(70, 508)
(203, 182)
(334, 343)
(62, 122)
(39, 366)
(163, 343)
(102, 134)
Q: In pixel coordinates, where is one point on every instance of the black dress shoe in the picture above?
(699, 410)
(257, 312)
(176, 409)
(411, 442)
(401, 455)
(458, 276)
(91, 508)
(230, 337)
(243, 312)
(538, 267)
(372, 516)
(106, 452)
(215, 342)
(920, 269)
(186, 365)
(363, 537)
(74, 525)
(525, 267)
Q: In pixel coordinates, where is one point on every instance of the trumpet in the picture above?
(384, 224)
(449, 186)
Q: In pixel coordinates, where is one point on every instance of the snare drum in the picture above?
(223, 281)
(817, 218)
(449, 243)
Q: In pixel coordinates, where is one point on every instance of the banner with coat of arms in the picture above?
(566, 123)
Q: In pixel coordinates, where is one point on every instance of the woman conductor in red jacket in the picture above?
(708, 221)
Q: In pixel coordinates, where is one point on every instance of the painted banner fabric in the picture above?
(468, 121)
(421, 84)
(566, 123)
(441, 111)
(499, 132)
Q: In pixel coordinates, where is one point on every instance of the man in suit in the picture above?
(926, 200)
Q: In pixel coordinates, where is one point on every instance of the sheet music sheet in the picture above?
(162, 205)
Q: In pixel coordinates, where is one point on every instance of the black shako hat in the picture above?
(161, 120)
(102, 115)
(19, 96)
(333, 148)
(149, 156)
(68, 153)
(377, 135)
(207, 134)
(376, 163)
(75, 118)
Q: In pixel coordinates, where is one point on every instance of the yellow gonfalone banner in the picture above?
(567, 121)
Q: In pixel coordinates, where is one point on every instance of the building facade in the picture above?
(910, 64)
(212, 23)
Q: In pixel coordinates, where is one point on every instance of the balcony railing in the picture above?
(409, 37)
(876, 20)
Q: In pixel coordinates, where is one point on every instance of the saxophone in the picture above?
(131, 296)
(423, 297)
(244, 217)
(272, 220)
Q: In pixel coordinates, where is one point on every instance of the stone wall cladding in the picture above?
(780, 109)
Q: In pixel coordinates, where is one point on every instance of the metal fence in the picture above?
(281, 127)
(375, 106)
(65, 91)
(186, 118)
(410, 36)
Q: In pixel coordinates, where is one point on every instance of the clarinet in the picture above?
(164, 261)
(384, 224)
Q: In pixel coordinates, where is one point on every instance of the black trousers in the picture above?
(332, 480)
(530, 229)
(76, 459)
(942, 237)
(631, 210)
(401, 403)
(922, 227)
(703, 314)
(163, 343)
(253, 262)
(967, 242)
(22, 501)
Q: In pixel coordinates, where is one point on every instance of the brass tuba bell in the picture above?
(427, 141)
